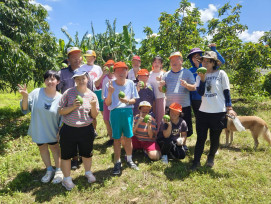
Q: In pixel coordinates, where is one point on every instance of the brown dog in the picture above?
(256, 125)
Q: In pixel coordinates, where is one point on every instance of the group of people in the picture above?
(141, 110)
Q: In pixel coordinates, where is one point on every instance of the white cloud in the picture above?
(193, 5)
(253, 37)
(138, 40)
(208, 13)
(89, 35)
(53, 0)
(64, 27)
(73, 24)
(47, 7)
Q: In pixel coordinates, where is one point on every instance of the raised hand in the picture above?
(212, 45)
(76, 103)
(93, 102)
(159, 78)
(202, 76)
(111, 89)
(183, 83)
(162, 83)
(23, 90)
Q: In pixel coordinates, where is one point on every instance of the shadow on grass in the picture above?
(12, 126)
(30, 182)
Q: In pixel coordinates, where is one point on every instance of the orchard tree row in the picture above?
(27, 48)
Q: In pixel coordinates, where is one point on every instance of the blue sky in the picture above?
(76, 15)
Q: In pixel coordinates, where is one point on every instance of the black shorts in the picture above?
(73, 137)
(213, 121)
(51, 143)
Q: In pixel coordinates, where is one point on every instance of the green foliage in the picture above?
(266, 38)
(267, 83)
(107, 45)
(180, 31)
(27, 48)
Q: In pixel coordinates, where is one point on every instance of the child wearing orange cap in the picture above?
(100, 84)
(145, 90)
(145, 132)
(171, 134)
(120, 95)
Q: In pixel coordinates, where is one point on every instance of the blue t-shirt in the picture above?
(128, 88)
(176, 93)
(45, 119)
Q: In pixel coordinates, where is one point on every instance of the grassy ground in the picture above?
(240, 174)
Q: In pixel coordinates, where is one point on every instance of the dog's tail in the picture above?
(267, 135)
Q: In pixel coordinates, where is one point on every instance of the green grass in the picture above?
(240, 174)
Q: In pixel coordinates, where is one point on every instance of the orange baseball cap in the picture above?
(136, 57)
(109, 62)
(176, 107)
(143, 72)
(120, 65)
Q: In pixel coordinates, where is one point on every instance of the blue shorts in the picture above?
(101, 101)
(121, 120)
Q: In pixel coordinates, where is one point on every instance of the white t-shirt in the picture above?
(213, 100)
(155, 84)
(131, 74)
(94, 71)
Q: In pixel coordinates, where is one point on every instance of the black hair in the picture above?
(51, 73)
(65, 61)
(158, 58)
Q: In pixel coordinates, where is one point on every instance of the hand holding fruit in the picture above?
(162, 83)
(76, 103)
(105, 70)
(147, 118)
(159, 78)
(23, 90)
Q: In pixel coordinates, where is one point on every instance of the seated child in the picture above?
(145, 132)
(172, 133)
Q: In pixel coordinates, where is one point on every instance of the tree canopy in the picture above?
(27, 48)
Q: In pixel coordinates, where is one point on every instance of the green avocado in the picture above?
(111, 69)
(166, 118)
(142, 84)
(80, 99)
(202, 70)
(64, 65)
(164, 89)
(146, 118)
(107, 69)
(121, 94)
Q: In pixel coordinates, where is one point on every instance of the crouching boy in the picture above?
(145, 132)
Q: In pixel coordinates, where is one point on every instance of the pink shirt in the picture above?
(80, 116)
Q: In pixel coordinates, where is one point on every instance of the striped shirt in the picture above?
(142, 131)
(80, 116)
(176, 93)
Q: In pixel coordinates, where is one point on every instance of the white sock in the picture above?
(67, 178)
(88, 172)
(118, 160)
(129, 158)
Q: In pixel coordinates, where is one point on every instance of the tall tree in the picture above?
(180, 31)
(27, 48)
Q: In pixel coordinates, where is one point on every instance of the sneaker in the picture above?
(74, 164)
(117, 168)
(195, 166)
(132, 165)
(109, 143)
(58, 177)
(47, 177)
(210, 162)
(185, 148)
(68, 184)
(91, 178)
(164, 159)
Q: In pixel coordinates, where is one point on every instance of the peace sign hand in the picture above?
(23, 90)
(111, 89)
